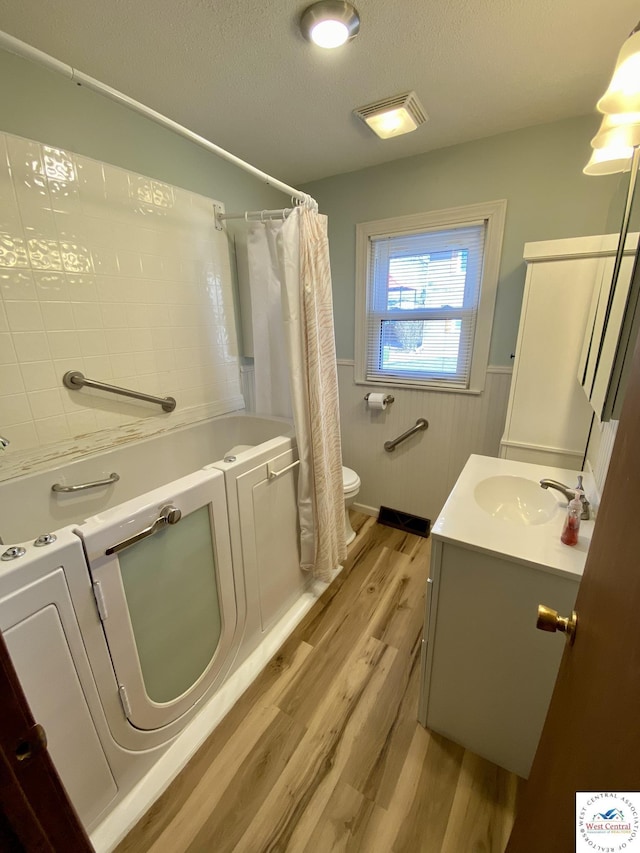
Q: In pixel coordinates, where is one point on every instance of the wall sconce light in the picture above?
(330, 23)
(623, 93)
(393, 116)
(609, 161)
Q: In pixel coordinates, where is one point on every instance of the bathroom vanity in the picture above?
(488, 674)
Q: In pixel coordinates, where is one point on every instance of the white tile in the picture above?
(13, 250)
(51, 286)
(92, 342)
(11, 379)
(62, 179)
(129, 263)
(98, 367)
(10, 222)
(90, 180)
(81, 423)
(54, 429)
(4, 325)
(63, 344)
(63, 365)
(119, 341)
(37, 217)
(139, 315)
(46, 404)
(57, 316)
(17, 284)
(135, 290)
(31, 346)
(165, 359)
(22, 436)
(7, 351)
(120, 364)
(87, 315)
(142, 340)
(105, 261)
(39, 375)
(44, 254)
(151, 266)
(23, 316)
(76, 258)
(114, 315)
(144, 362)
(117, 187)
(99, 232)
(14, 409)
(25, 158)
(82, 288)
(108, 288)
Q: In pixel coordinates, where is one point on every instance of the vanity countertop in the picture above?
(465, 523)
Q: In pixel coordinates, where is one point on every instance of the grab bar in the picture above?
(112, 478)
(75, 380)
(168, 515)
(272, 475)
(421, 424)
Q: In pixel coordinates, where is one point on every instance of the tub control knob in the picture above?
(171, 514)
(45, 539)
(13, 553)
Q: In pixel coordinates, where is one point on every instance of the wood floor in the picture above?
(323, 753)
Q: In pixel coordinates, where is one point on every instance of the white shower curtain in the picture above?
(294, 351)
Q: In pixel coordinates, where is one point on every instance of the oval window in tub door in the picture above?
(168, 600)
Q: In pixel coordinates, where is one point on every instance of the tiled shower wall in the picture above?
(116, 275)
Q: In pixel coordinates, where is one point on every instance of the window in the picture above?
(426, 292)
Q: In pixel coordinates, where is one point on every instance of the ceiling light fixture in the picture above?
(330, 23)
(393, 116)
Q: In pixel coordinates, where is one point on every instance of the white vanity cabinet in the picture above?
(548, 415)
(489, 673)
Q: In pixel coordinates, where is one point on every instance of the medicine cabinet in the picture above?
(608, 333)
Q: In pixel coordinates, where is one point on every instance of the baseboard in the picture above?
(367, 510)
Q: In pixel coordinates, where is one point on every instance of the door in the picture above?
(164, 584)
(590, 738)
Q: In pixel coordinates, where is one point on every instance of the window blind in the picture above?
(423, 291)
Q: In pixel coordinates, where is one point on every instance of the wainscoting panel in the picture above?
(419, 474)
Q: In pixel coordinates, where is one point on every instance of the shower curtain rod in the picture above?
(260, 215)
(21, 48)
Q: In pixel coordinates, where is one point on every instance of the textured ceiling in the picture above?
(239, 73)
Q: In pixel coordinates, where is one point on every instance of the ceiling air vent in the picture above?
(393, 116)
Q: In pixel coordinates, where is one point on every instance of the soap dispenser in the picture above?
(572, 522)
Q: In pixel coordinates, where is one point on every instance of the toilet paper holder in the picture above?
(389, 398)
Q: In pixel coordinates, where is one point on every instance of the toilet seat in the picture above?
(350, 480)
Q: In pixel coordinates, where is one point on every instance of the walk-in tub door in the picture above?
(164, 586)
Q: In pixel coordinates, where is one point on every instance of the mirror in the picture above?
(612, 326)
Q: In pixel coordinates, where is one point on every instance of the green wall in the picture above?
(40, 104)
(538, 170)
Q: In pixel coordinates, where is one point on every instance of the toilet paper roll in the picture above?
(377, 401)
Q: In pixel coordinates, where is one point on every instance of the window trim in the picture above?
(493, 213)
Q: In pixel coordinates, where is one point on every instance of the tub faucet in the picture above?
(4, 442)
(569, 494)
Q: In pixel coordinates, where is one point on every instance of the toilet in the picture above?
(351, 487)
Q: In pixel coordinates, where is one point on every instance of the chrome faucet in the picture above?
(4, 442)
(569, 494)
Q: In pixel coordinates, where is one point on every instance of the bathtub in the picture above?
(151, 625)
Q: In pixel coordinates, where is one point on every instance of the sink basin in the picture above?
(516, 500)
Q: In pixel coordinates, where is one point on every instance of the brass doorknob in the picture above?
(549, 620)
